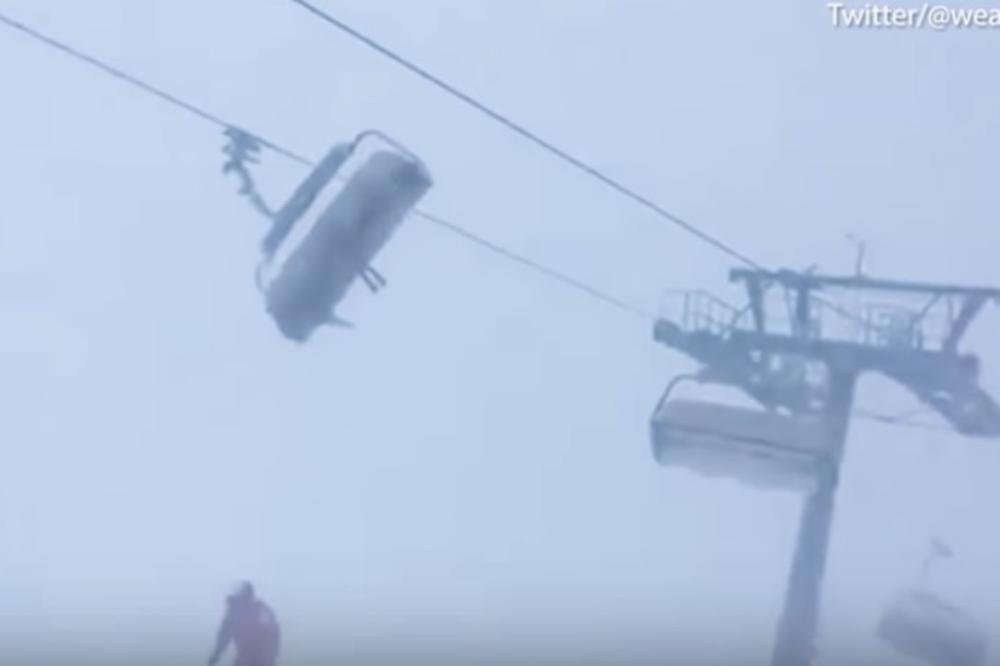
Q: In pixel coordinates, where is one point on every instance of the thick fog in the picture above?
(468, 473)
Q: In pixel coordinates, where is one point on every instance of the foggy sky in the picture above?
(470, 466)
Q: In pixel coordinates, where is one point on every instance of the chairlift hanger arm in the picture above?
(243, 149)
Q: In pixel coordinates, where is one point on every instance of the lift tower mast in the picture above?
(805, 368)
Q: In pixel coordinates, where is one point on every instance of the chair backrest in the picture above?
(924, 627)
(344, 238)
(758, 448)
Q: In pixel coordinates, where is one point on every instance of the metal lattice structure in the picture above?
(798, 350)
(783, 359)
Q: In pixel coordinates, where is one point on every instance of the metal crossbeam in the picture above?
(812, 281)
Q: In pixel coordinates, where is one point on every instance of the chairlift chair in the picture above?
(761, 449)
(304, 282)
(923, 626)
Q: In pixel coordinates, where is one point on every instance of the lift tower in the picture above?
(801, 366)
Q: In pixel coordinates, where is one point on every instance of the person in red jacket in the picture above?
(252, 628)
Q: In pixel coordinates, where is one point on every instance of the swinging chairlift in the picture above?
(921, 625)
(304, 279)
